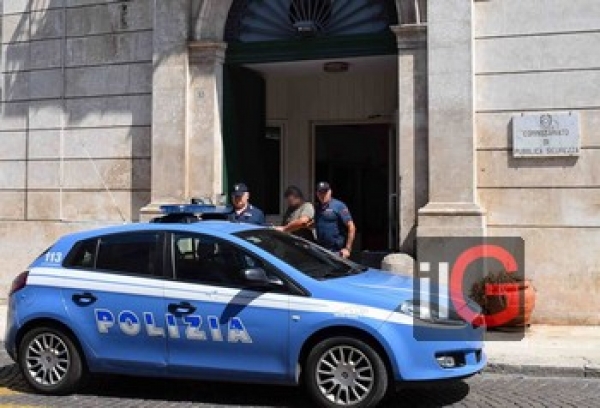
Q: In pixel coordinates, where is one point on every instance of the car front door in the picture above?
(218, 327)
(116, 304)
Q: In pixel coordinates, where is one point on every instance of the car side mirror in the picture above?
(257, 277)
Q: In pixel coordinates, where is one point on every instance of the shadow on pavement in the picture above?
(189, 391)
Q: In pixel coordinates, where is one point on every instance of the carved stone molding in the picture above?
(412, 12)
(410, 36)
(205, 52)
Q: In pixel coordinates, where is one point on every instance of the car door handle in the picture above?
(182, 308)
(84, 299)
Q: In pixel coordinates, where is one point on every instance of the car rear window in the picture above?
(83, 255)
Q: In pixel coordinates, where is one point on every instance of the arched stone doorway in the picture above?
(310, 92)
(190, 51)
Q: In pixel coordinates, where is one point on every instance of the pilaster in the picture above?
(205, 107)
(453, 207)
(412, 128)
(169, 104)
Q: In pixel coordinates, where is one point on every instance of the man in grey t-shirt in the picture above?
(299, 216)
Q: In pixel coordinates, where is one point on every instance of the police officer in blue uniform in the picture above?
(243, 211)
(333, 222)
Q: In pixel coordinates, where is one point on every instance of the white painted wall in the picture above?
(302, 100)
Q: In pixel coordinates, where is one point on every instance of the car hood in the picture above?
(383, 290)
(373, 288)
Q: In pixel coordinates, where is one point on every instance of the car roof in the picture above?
(207, 227)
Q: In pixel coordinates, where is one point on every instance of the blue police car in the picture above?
(216, 300)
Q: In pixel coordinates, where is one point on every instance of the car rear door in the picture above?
(218, 328)
(114, 298)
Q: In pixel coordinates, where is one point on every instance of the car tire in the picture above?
(359, 379)
(50, 361)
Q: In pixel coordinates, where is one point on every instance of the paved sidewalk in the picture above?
(565, 351)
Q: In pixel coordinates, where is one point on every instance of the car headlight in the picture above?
(415, 309)
(430, 313)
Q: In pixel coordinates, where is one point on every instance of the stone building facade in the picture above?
(110, 108)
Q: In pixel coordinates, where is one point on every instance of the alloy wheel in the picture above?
(47, 359)
(345, 375)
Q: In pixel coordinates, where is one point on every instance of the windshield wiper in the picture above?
(337, 273)
(358, 269)
(329, 275)
(333, 273)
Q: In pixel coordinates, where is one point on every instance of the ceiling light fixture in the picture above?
(336, 67)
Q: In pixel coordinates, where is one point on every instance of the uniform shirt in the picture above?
(293, 214)
(250, 215)
(330, 221)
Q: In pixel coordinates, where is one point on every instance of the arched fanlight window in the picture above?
(272, 20)
(310, 17)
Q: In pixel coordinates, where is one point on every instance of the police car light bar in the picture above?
(195, 209)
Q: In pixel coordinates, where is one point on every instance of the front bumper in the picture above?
(415, 351)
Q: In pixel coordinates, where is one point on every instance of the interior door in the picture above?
(355, 159)
(218, 328)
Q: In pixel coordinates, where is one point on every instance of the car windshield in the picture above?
(306, 257)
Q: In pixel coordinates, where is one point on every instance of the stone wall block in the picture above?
(47, 24)
(12, 145)
(12, 175)
(110, 48)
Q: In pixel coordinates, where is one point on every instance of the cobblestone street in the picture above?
(487, 390)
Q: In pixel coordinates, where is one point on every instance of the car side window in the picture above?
(137, 253)
(207, 260)
(83, 255)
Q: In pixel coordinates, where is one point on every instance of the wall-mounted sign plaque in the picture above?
(546, 135)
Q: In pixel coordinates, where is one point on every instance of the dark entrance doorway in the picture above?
(280, 31)
(357, 160)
